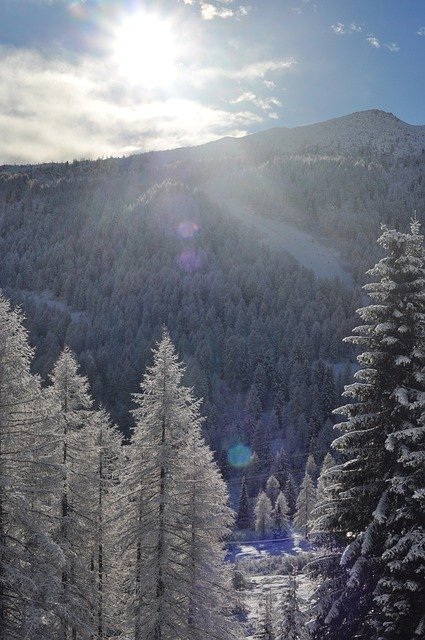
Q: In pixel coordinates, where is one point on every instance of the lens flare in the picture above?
(188, 229)
(239, 455)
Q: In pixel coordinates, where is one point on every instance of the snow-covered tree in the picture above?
(263, 514)
(377, 491)
(103, 461)
(305, 504)
(292, 622)
(75, 500)
(280, 516)
(169, 552)
(265, 628)
(323, 496)
(29, 561)
(243, 514)
(203, 521)
(272, 488)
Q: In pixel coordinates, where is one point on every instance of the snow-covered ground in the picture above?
(260, 563)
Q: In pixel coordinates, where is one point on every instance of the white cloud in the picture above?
(269, 84)
(273, 115)
(262, 103)
(374, 42)
(51, 110)
(421, 31)
(209, 12)
(341, 29)
(260, 69)
(393, 47)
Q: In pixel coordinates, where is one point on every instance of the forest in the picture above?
(173, 386)
(101, 539)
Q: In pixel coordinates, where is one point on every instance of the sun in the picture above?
(145, 50)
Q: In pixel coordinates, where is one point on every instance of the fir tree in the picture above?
(375, 498)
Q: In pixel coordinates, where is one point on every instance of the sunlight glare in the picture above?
(145, 50)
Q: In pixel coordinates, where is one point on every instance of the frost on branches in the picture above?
(377, 494)
(174, 516)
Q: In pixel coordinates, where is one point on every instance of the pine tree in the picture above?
(376, 495)
(29, 561)
(263, 514)
(243, 514)
(272, 489)
(305, 504)
(280, 516)
(292, 621)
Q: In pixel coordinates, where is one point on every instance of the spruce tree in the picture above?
(376, 503)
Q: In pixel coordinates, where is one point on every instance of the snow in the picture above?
(263, 558)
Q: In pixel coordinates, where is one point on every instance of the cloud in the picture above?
(260, 69)
(341, 29)
(212, 10)
(262, 103)
(393, 47)
(209, 12)
(374, 42)
(52, 110)
(421, 31)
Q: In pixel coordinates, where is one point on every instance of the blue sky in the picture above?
(94, 78)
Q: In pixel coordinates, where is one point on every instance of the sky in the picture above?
(99, 78)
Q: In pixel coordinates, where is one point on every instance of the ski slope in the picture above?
(322, 260)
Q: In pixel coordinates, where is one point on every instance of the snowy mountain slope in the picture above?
(376, 130)
(307, 250)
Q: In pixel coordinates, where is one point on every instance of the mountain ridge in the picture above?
(374, 129)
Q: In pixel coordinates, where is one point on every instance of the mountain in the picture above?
(374, 130)
(250, 250)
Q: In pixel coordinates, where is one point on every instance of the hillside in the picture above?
(214, 241)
